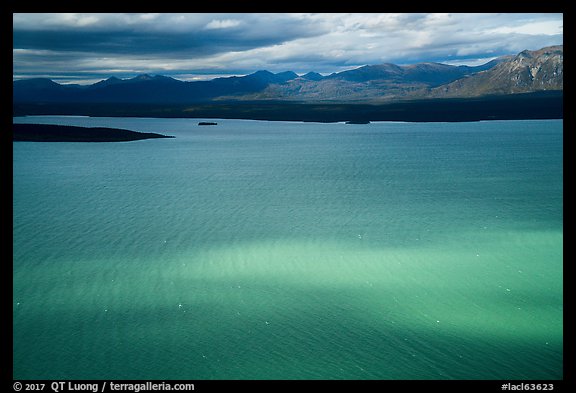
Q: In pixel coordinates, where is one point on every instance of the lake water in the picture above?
(281, 250)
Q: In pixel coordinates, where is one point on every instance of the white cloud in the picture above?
(149, 16)
(551, 27)
(80, 20)
(31, 21)
(223, 23)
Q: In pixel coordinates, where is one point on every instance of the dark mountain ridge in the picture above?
(529, 71)
(429, 73)
(145, 89)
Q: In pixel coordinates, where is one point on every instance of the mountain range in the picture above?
(526, 72)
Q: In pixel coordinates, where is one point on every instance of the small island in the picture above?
(207, 123)
(61, 133)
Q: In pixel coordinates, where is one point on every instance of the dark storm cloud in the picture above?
(213, 36)
(136, 43)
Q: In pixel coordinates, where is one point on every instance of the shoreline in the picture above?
(532, 106)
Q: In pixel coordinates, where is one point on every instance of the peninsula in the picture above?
(60, 133)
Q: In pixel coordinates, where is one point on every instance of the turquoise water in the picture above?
(278, 250)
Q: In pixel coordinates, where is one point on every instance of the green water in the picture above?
(277, 250)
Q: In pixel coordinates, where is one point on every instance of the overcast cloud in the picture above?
(85, 48)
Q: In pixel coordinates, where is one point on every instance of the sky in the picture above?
(86, 48)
